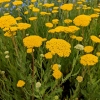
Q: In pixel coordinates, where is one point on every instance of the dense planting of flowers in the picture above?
(49, 50)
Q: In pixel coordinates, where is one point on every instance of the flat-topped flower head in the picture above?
(88, 49)
(59, 47)
(67, 7)
(33, 41)
(95, 39)
(88, 60)
(82, 20)
(7, 21)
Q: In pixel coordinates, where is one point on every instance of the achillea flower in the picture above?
(48, 5)
(20, 83)
(23, 26)
(94, 15)
(71, 29)
(88, 49)
(33, 1)
(32, 18)
(59, 47)
(18, 18)
(48, 55)
(55, 67)
(30, 50)
(88, 60)
(57, 74)
(67, 21)
(59, 29)
(67, 7)
(95, 39)
(33, 41)
(9, 34)
(79, 79)
(54, 11)
(43, 13)
(17, 3)
(7, 21)
(50, 25)
(79, 38)
(55, 21)
(98, 54)
(82, 20)
(35, 9)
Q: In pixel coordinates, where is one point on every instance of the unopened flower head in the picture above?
(7, 56)
(38, 85)
(6, 52)
(79, 47)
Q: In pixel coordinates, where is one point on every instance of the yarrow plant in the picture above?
(49, 50)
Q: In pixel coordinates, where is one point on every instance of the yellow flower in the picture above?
(54, 11)
(35, 9)
(94, 15)
(20, 83)
(95, 39)
(7, 21)
(26, 12)
(33, 1)
(88, 60)
(67, 7)
(82, 20)
(98, 54)
(88, 49)
(9, 34)
(67, 21)
(59, 47)
(18, 18)
(43, 13)
(33, 41)
(78, 38)
(51, 31)
(57, 74)
(55, 21)
(17, 3)
(48, 55)
(48, 5)
(6, 5)
(50, 25)
(23, 26)
(30, 50)
(32, 18)
(79, 79)
(55, 67)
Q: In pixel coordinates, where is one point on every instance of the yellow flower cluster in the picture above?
(48, 55)
(69, 29)
(94, 15)
(17, 3)
(2, 1)
(59, 47)
(88, 49)
(50, 25)
(67, 21)
(20, 83)
(7, 21)
(95, 39)
(33, 41)
(82, 20)
(23, 26)
(67, 7)
(56, 72)
(88, 60)
(48, 5)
